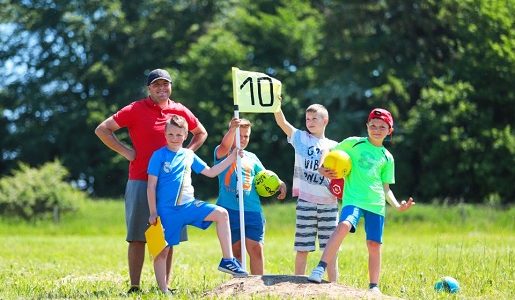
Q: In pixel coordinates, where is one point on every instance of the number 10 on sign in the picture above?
(255, 92)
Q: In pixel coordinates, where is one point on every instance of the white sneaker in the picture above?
(316, 274)
(375, 290)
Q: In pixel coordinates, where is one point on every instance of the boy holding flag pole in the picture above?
(229, 187)
(253, 92)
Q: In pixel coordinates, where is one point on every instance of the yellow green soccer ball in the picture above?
(267, 183)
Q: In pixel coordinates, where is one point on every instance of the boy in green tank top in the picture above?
(367, 188)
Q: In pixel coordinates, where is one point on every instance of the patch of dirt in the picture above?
(291, 287)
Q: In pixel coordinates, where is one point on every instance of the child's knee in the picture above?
(373, 246)
(221, 214)
(255, 249)
(302, 254)
(344, 227)
(163, 254)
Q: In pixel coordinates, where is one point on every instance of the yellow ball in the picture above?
(267, 183)
(339, 161)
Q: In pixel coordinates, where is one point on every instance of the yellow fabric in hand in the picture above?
(155, 236)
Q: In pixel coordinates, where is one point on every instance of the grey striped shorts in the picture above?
(312, 220)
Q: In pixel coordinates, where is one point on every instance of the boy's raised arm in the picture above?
(225, 145)
(280, 119)
(218, 168)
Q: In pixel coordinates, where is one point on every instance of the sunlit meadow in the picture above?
(85, 254)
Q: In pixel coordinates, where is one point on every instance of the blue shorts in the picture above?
(374, 223)
(137, 212)
(254, 225)
(174, 218)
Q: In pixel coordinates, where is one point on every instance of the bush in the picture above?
(32, 193)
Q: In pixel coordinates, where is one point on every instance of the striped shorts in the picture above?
(312, 220)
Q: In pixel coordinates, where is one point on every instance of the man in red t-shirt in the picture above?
(145, 120)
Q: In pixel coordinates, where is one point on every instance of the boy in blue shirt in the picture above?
(170, 196)
(228, 195)
(366, 189)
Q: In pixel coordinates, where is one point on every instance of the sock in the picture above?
(372, 285)
(322, 264)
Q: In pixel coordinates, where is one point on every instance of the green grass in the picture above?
(84, 256)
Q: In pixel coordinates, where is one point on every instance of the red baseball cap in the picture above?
(383, 114)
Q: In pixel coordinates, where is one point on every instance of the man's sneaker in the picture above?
(134, 289)
(317, 274)
(231, 266)
(374, 290)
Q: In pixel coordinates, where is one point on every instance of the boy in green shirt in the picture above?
(366, 188)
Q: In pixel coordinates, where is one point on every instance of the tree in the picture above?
(276, 37)
(67, 65)
(408, 56)
(77, 62)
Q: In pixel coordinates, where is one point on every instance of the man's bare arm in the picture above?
(105, 132)
(199, 137)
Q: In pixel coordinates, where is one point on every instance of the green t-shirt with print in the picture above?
(372, 166)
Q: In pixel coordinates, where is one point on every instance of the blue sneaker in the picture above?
(238, 262)
(232, 266)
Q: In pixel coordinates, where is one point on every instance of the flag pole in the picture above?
(239, 174)
(240, 195)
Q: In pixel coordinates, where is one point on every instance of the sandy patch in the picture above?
(286, 286)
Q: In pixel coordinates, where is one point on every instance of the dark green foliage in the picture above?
(444, 68)
(32, 193)
(455, 149)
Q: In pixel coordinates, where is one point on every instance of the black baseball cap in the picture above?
(158, 74)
